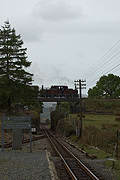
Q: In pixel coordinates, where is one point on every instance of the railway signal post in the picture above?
(80, 84)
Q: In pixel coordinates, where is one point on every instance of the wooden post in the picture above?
(117, 144)
(30, 134)
(2, 132)
(30, 139)
(17, 139)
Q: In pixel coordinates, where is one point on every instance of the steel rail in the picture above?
(8, 145)
(92, 175)
(87, 171)
(65, 163)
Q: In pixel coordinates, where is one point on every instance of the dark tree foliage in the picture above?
(13, 63)
(108, 87)
(55, 117)
(30, 99)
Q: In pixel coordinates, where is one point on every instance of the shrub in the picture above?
(117, 119)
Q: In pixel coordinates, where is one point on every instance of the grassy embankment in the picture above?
(99, 138)
(99, 130)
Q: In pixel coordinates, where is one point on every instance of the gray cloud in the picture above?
(58, 76)
(64, 37)
(29, 29)
(56, 10)
(54, 75)
(78, 27)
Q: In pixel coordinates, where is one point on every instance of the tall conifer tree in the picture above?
(13, 64)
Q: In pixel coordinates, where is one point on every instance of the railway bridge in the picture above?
(57, 99)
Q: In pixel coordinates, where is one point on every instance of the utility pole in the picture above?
(79, 84)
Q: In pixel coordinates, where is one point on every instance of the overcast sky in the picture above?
(66, 38)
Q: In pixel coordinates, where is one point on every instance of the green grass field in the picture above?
(99, 137)
(98, 121)
(101, 121)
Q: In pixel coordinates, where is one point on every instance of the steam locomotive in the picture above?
(59, 92)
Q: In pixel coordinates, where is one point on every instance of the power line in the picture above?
(104, 72)
(117, 55)
(108, 71)
(110, 60)
(113, 68)
(106, 56)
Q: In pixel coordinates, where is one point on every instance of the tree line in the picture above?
(15, 79)
(108, 86)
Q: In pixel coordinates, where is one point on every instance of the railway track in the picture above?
(74, 167)
(8, 145)
(73, 161)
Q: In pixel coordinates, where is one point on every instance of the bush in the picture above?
(117, 119)
(69, 130)
(55, 117)
(104, 140)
